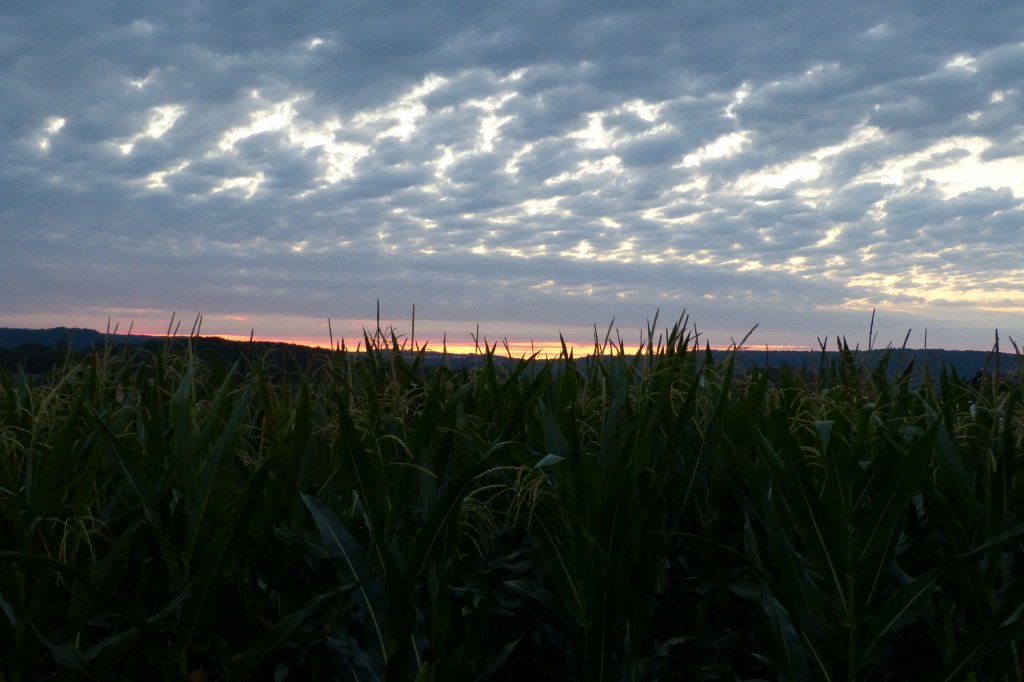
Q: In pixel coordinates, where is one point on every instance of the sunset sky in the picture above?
(529, 167)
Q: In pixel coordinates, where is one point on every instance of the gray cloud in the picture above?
(529, 165)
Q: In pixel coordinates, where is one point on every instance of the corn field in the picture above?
(624, 516)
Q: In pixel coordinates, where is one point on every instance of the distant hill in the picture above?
(964, 363)
(38, 350)
(61, 337)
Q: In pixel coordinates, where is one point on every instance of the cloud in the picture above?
(526, 164)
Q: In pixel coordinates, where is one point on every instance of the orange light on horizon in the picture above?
(516, 349)
(502, 348)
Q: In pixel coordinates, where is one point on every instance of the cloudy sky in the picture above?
(528, 167)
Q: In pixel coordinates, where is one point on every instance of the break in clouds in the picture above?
(530, 167)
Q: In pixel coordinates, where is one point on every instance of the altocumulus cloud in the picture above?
(532, 167)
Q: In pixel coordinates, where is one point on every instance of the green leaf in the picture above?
(67, 657)
(972, 652)
(498, 660)
(210, 571)
(340, 543)
(793, 660)
(280, 633)
(899, 487)
(900, 610)
(211, 487)
(548, 460)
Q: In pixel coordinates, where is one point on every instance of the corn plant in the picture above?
(656, 515)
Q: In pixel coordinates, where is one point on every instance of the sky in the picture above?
(516, 170)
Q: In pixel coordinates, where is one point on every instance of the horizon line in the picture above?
(515, 349)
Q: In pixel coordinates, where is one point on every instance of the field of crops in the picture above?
(629, 516)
